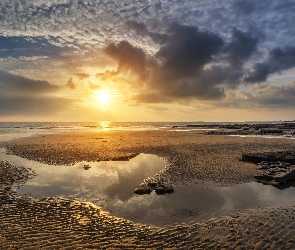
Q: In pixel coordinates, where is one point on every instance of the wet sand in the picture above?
(193, 158)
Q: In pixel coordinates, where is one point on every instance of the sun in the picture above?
(103, 98)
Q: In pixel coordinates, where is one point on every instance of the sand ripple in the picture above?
(69, 224)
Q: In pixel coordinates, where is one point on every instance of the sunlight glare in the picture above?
(103, 97)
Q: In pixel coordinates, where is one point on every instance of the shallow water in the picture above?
(111, 184)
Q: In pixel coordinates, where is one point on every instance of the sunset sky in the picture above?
(147, 60)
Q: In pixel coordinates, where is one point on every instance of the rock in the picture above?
(152, 184)
(86, 167)
(275, 173)
(159, 187)
(169, 189)
(270, 131)
(160, 190)
(284, 156)
(143, 190)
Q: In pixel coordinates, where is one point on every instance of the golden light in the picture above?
(103, 97)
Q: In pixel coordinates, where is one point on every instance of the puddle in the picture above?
(111, 185)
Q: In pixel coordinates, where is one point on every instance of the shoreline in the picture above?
(203, 158)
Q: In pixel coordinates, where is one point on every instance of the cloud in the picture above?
(70, 83)
(17, 85)
(82, 76)
(277, 95)
(129, 58)
(187, 50)
(242, 46)
(38, 105)
(155, 45)
(194, 63)
(180, 72)
(279, 59)
(17, 46)
(139, 27)
(141, 30)
(24, 96)
(265, 95)
(157, 108)
(151, 97)
(244, 6)
(84, 24)
(177, 71)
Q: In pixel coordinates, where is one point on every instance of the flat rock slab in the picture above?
(275, 173)
(285, 156)
(273, 168)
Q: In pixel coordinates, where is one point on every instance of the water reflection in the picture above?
(105, 125)
(103, 181)
(111, 184)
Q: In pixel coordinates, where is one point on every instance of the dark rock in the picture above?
(159, 187)
(169, 189)
(285, 156)
(86, 167)
(152, 184)
(270, 131)
(160, 190)
(143, 190)
(275, 173)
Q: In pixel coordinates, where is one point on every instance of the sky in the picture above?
(147, 60)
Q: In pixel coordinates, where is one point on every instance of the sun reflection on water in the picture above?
(105, 125)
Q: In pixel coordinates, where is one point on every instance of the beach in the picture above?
(194, 158)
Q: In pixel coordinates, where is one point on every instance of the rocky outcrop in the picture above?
(285, 156)
(274, 168)
(275, 173)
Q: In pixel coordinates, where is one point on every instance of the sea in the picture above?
(104, 125)
(13, 130)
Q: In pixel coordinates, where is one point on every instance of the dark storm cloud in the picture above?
(182, 59)
(239, 50)
(195, 63)
(178, 73)
(242, 46)
(20, 95)
(186, 51)
(279, 59)
(129, 58)
(141, 30)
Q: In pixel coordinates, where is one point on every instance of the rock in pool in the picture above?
(143, 190)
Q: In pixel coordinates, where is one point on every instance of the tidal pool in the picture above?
(111, 184)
